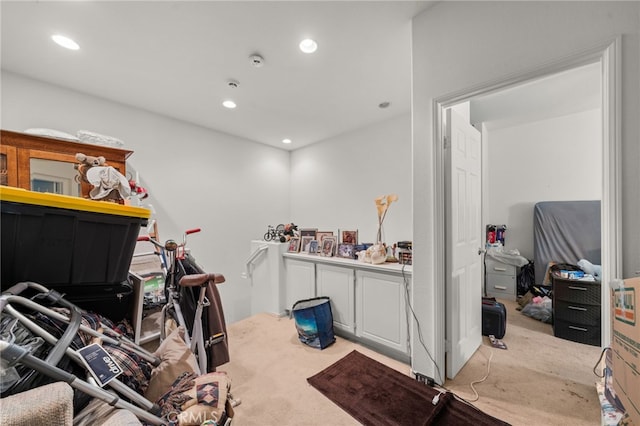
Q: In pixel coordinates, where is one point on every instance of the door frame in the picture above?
(609, 56)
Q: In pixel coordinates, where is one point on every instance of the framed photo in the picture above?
(308, 232)
(350, 237)
(313, 247)
(320, 235)
(304, 244)
(294, 245)
(327, 246)
(346, 250)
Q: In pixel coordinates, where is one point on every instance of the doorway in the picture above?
(608, 61)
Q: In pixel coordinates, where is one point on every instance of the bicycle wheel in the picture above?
(267, 236)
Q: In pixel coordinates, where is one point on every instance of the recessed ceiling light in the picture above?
(286, 140)
(308, 46)
(229, 104)
(65, 42)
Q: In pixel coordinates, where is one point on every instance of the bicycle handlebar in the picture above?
(170, 244)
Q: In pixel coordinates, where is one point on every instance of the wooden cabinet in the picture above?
(576, 310)
(337, 283)
(500, 279)
(21, 154)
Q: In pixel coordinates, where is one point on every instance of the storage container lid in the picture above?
(20, 195)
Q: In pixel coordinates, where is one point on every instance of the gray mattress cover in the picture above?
(565, 231)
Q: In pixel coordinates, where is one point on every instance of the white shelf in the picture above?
(333, 260)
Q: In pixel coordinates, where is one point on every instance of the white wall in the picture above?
(547, 160)
(460, 45)
(334, 183)
(230, 187)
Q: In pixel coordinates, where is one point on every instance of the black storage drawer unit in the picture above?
(577, 310)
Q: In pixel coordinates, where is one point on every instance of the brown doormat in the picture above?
(377, 395)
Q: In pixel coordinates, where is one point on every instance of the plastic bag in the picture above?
(542, 311)
(509, 257)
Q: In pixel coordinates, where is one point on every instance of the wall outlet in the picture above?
(424, 379)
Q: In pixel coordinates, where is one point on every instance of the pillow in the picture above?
(208, 398)
(51, 133)
(193, 400)
(176, 358)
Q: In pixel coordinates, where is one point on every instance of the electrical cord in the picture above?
(599, 361)
(477, 397)
(441, 388)
(420, 337)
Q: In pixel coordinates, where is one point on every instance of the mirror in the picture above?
(57, 177)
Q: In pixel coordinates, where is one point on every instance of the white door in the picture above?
(464, 242)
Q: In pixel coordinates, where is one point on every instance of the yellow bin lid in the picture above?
(19, 195)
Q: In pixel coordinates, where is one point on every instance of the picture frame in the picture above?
(327, 246)
(294, 245)
(346, 250)
(308, 232)
(304, 243)
(322, 234)
(349, 237)
(313, 247)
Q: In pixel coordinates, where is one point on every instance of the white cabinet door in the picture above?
(338, 284)
(381, 309)
(301, 281)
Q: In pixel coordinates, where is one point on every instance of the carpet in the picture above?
(377, 395)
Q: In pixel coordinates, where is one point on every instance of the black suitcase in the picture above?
(494, 318)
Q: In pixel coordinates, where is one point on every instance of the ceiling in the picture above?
(566, 92)
(175, 58)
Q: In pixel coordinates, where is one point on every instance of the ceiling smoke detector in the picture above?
(256, 60)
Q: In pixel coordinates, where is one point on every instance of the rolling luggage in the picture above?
(494, 318)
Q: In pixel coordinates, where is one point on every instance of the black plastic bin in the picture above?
(67, 242)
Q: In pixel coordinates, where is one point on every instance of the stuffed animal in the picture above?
(108, 183)
(85, 162)
(290, 230)
(590, 268)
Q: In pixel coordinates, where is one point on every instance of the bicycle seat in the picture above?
(196, 280)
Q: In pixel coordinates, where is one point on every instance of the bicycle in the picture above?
(186, 286)
(273, 233)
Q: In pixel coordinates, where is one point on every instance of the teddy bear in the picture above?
(108, 183)
(85, 162)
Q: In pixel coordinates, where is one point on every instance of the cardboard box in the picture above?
(626, 347)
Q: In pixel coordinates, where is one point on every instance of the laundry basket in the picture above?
(314, 322)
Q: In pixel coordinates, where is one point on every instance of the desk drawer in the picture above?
(495, 267)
